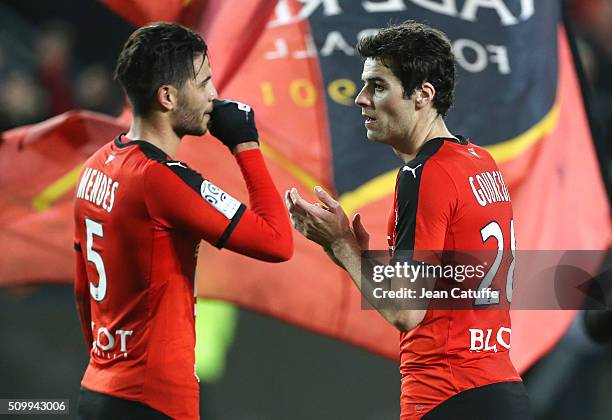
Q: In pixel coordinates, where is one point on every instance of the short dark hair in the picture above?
(157, 54)
(415, 53)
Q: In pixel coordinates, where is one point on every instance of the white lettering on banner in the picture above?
(310, 51)
(384, 6)
(469, 12)
(471, 55)
(283, 11)
(481, 58)
(443, 7)
(330, 7)
(470, 8)
(527, 9)
(498, 55)
(335, 41)
(281, 49)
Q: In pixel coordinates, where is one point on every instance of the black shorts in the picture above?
(96, 406)
(500, 401)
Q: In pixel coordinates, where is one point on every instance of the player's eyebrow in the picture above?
(203, 82)
(373, 79)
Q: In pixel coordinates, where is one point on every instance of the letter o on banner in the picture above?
(302, 93)
(475, 66)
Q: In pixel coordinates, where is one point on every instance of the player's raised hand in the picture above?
(322, 224)
(361, 234)
(295, 212)
(233, 123)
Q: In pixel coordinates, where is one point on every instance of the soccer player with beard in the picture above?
(139, 218)
(449, 196)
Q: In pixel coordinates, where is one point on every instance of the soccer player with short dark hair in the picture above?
(450, 196)
(139, 218)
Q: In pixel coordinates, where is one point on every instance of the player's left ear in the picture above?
(424, 95)
(167, 97)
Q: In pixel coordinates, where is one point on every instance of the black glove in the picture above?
(232, 123)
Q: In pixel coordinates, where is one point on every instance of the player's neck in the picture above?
(421, 134)
(155, 132)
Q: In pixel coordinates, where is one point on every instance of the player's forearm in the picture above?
(332, 257)
(348, 254)
(241, 147)
(85, 318)
(273, 226)
(81, 295)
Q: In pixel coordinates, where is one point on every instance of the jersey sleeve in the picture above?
(426, 202)
(81, 294)
(179, 197)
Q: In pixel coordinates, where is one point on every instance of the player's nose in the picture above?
(213, 92)
(362, 99)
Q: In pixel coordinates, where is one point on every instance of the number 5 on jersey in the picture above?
(94, 228)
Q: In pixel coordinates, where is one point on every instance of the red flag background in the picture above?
(283, 59)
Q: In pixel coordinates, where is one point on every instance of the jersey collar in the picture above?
(459, 139)
(431, 146)
(150, 150)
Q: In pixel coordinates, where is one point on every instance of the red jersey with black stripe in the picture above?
(139, 219)
(452, 197)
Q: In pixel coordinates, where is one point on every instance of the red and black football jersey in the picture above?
(452, 197)
(139, 219)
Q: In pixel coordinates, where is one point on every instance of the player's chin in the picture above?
(373, 137)
(198, 131)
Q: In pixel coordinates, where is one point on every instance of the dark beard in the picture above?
(189, 130)
(189, 122)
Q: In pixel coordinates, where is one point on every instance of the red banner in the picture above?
(301, 74)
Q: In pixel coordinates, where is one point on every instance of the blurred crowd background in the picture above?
(59, 55)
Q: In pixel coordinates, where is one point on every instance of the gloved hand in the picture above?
(233, 123)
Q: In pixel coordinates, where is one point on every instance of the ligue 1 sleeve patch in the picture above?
(219, 199)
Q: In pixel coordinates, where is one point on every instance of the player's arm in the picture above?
(178, 197)
(264, 231)
(330, 227)
(81, 294)
(265, 225)
(182, 198)
(347, 251)
(423, 228)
